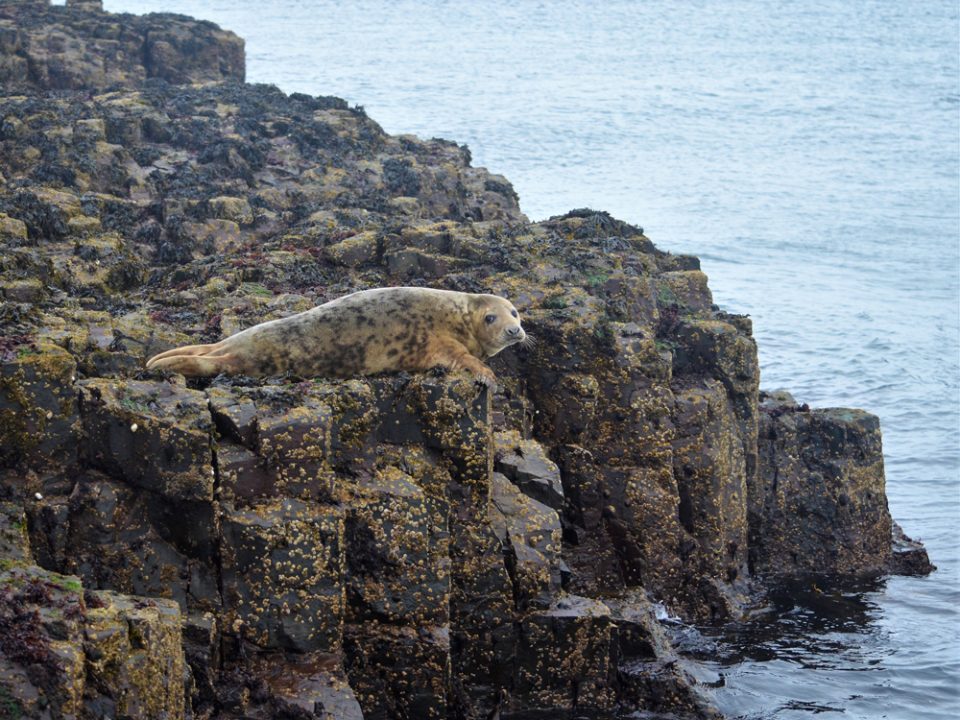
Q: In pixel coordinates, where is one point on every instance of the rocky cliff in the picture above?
(386, 547)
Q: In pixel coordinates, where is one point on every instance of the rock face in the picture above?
(388, 547)
(819, 503)
(79, 47)
(70, 652)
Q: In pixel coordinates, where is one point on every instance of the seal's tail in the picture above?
(193, 360)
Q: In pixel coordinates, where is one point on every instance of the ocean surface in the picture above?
(807, 152)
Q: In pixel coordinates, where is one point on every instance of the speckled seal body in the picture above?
(368, 332)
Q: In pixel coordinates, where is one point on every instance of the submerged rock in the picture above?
(376, 547)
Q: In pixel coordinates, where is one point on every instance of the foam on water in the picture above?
(807, 152)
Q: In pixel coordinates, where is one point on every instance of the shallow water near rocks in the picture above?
(808, 154)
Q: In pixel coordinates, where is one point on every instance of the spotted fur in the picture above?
(368, 332)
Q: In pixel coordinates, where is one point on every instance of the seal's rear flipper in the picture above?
(194, 365)
(187, 350)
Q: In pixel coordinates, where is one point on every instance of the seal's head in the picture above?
(496, 324)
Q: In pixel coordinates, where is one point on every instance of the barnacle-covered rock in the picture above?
(820, 504)
(127, 422)
(38, 405)
(283, 565)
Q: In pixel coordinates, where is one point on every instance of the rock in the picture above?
(565, 662)
(78, 46)
(127, 421)
(244, 475)
(232, 209)
(12, 229)
(313, 685)
(398, 545)
(687, 289)
(402, 670)
(38, 408)
(282, 576)
(354, 251)
(530, 532)
(218, 235)
(235, 415)
(14, 541)
(201, 647)
(525, 463)
(651, 671)
(133, 646)
(819, 504)
(23, 291)
(73, 653)
(132, 540)
(190, 52)
(295, 444)
(711, 473)
(909, 556)
(397, 553)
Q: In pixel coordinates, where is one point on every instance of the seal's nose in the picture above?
(514, 331)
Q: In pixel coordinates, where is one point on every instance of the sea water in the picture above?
(807, 152)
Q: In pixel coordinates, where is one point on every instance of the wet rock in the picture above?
(711, 473)
(530, 532)
(282, 576)
(820, 504)
(133, 649)
(12, 229)
(235, 415)
(526, 464)
(244, 475)
(398, 671)
(565, 660)
(14, 541)
(201, 647)
(338, 545)
(397, 553)
(78, 46)
(121, 538)
(38, 407)
(231, 208)
(127, 421)
(295, 445)
(191, 52)
(354, 251)
(68, 652)
(909, 556)
(312, 685)
(652, 674)
(294, 438)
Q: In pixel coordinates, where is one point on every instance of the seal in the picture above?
(367, 332)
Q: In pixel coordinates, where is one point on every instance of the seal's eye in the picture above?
(513, 312)
(490, 319)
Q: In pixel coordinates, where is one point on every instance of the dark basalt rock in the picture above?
(389, 547)
(79, 47)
